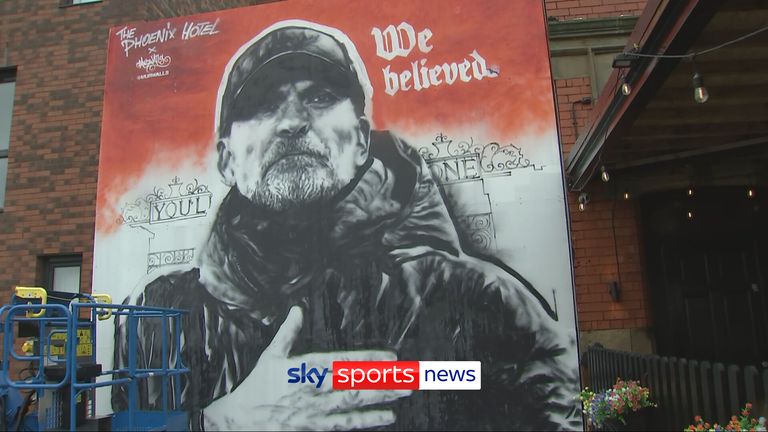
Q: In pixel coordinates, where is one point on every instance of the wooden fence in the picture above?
(682, 388)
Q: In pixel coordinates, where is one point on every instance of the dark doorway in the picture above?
(706, 272)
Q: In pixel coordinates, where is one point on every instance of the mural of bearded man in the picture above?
(335, 243)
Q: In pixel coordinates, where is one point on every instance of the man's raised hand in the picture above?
(266, 400)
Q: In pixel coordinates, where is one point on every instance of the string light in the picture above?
(750, 192)
(700, 93)
(583, 200)
(633, 53)
(626, 195)
(604, 174)
(689, 212)
(626, 89)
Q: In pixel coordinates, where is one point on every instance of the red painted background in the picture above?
(171, 118)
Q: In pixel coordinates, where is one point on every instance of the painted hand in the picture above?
(265, 399)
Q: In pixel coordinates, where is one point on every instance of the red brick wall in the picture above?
(53, 156)
(570, 9)
(592, 234)
(569, 92)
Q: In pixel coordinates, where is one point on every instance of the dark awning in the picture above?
(658, 134)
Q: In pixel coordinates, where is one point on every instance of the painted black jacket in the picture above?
(381, 267)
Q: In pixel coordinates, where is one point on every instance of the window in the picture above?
(586, 48)
(62, 273)
(7, 90)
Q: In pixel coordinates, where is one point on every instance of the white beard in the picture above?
(295, 182)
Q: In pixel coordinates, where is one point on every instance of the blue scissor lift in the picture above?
(60, 352)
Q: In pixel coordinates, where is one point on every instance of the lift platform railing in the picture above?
(9, 315)
(133, 418)
(48, 317)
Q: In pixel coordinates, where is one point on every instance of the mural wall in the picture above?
(341, 180)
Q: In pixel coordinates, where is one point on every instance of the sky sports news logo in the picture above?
(392, 375)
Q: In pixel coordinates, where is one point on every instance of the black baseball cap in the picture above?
(283, 55)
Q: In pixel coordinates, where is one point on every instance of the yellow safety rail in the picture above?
(33, 293)
(103, 298)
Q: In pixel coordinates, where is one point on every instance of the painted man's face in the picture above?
(297, 143)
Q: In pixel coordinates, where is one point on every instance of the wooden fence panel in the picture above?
(656, 380)
(734, 389)
(685, 391)
(639, 368)
(750, 384)
(674, 392)
(707, 391)
(693, 382)
(666, 392)
(718, 390)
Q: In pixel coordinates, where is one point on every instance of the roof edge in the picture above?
(665, 26)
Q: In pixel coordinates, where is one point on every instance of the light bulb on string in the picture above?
(700, 93)
(690, 191)
(689, 215)
(604, 174)
(626, 195)
(626, 89)
(750, 192)
(583, 200)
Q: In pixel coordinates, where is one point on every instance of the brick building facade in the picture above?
(604, 237)
(57, 55)
(581, 9)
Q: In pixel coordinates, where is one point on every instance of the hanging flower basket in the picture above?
(620, 408)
